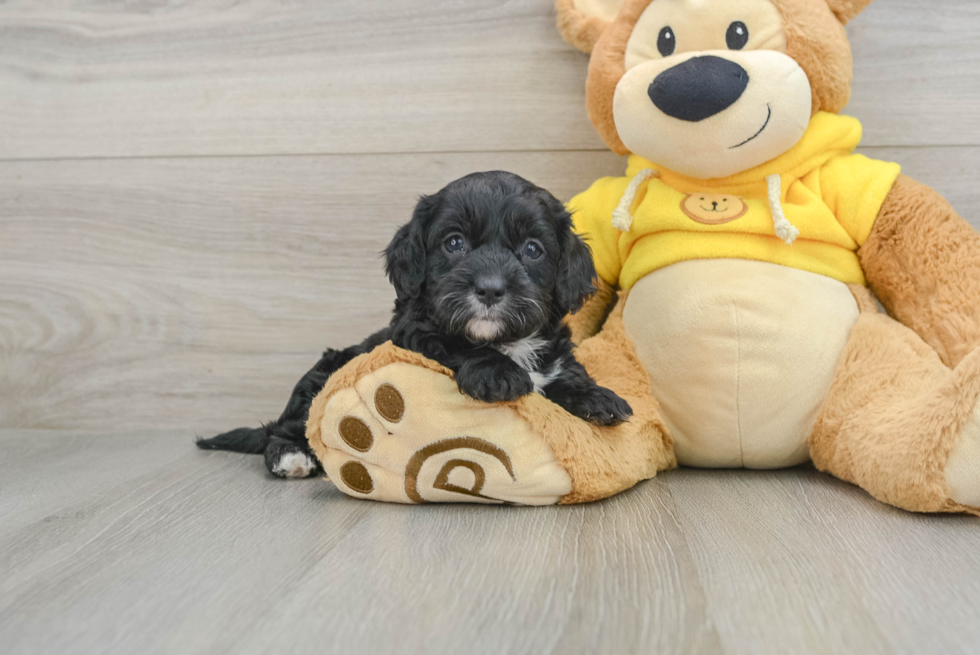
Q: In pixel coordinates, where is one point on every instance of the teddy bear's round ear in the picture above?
(582, 22)
(846, 10)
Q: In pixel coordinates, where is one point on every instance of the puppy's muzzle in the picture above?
(699, 88)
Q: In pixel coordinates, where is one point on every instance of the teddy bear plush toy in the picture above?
(738, 256)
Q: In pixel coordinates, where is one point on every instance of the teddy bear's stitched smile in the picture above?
(761, 129)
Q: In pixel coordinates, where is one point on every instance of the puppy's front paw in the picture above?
(494, 383)
(601, 407)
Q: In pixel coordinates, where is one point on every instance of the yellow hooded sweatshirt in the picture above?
(830, 195)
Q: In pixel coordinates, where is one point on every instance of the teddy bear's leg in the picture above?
(898, 422)
(392, 426)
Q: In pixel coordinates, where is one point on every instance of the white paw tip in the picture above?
(294, 465)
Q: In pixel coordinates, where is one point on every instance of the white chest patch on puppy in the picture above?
(526, 354)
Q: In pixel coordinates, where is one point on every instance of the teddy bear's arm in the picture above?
(922, 260)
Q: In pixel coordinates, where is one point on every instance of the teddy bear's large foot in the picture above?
(405, 434)
(900, 423)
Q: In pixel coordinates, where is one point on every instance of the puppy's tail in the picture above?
(242, 440)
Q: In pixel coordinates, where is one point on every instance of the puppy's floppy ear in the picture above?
(576, 272)
(406, 254)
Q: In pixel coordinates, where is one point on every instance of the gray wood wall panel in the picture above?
(194, 292)
(97, 79)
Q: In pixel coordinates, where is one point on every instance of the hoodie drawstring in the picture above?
(622, 219)
(784, 229)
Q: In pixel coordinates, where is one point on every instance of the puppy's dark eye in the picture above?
(666, 42)
(455, 244)
(738, 35)
(532, 250)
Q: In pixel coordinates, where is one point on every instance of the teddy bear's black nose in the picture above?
(699, 88)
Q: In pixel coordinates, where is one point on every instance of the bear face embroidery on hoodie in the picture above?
(713, 208)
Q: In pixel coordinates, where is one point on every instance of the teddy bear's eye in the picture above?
(738, 35)
(666, 42)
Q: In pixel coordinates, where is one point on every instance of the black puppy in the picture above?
(483, 273)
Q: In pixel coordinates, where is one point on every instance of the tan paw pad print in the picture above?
(405, 434)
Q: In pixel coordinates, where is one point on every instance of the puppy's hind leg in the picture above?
(288, 454)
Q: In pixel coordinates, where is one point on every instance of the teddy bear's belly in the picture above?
(741, 355)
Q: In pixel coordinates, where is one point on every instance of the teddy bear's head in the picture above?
(709, 88)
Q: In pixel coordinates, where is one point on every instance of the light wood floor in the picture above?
(192, 198)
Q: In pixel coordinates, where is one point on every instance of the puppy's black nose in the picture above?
(490, 289)
(699, 88)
